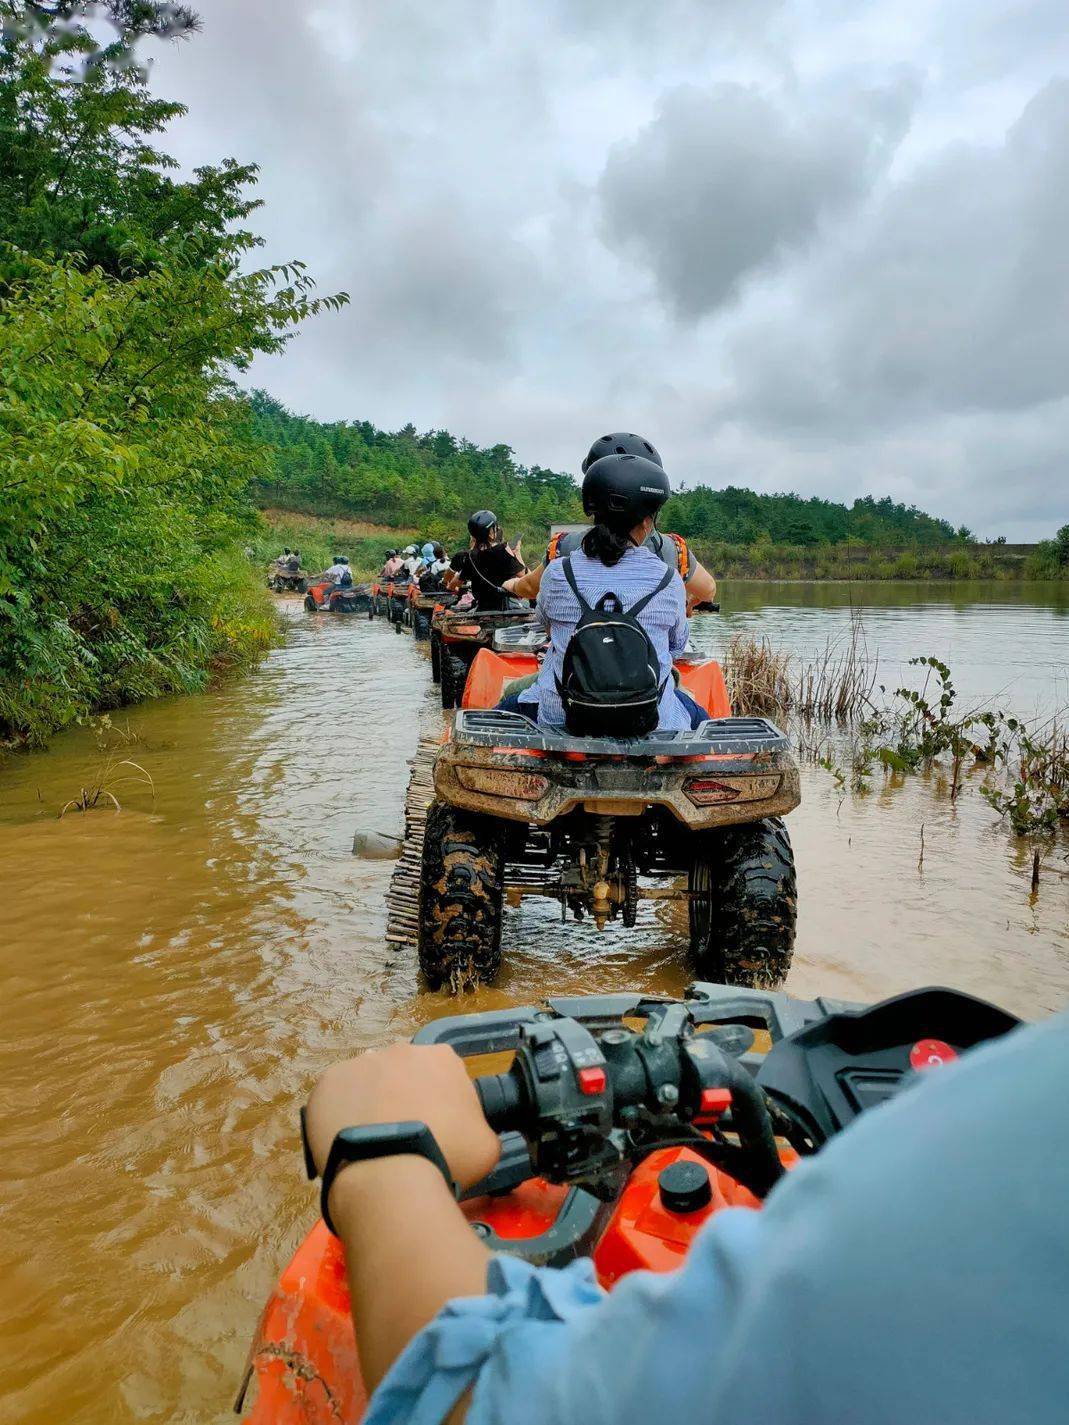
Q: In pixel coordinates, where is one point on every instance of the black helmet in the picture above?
(337, 558)
(620, 442)
(285, 549)
(343, 559)
(482, 524)
(621, 490)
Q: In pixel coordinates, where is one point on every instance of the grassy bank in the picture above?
(319, 539)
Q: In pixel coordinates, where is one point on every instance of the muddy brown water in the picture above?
(175, 975)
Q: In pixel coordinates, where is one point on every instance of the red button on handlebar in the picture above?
(713, 1103)
(927, 1053)
(591, 1081)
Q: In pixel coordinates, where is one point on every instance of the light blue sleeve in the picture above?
(680, 631)
(916, 1270)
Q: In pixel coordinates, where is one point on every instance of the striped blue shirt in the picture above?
(664, 619)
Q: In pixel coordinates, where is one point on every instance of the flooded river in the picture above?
(176, 974)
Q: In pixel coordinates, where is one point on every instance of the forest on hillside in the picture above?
(434, 480)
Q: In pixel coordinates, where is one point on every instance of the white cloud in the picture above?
(814, 246)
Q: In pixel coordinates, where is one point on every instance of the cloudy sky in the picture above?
(819, 245)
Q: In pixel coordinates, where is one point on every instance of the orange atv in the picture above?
(522, 810)
(626, 1123)
(286, 576)
(422, 604)
(324, 596)
(461, 634)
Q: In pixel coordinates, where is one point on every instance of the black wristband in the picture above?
(380, 1140)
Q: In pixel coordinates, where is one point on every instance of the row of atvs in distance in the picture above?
(659, 1112)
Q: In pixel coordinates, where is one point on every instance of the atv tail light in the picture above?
(711, 791)
(465, 630)
(500, 782)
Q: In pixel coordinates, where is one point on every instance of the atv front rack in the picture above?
(722, 737)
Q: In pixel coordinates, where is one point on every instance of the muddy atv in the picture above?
(394, 601)
(421, 605)
(287, 577)
(627, 1122)
(327, 597)
(521, 810)
(461, 636)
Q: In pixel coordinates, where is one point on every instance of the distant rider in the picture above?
(392, 568)
(671, 548)
(412, 563)
(339, 572)
(486, 564)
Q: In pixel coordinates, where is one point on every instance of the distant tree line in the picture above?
(434, 480)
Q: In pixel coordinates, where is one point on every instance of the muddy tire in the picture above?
(421, 625)
(310, 604)
(460, 899)
(447, 664)
(436, 658)
(458, 675)
(744, 905)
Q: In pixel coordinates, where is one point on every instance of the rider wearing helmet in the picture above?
(671, 548)
(622, 494)
(339, 572)
(486, 564)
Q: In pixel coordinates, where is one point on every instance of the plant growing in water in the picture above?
(1037, 798)
(101, 789)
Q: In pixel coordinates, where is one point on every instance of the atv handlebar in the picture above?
(708, 606)
(501, 1101)
(585, 1103)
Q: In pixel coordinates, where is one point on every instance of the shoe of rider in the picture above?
(487, 563)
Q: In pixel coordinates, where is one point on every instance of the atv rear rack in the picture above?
(724, 737)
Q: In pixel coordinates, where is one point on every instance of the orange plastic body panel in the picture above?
(705, 683)
(489, 674)
(304, 1355)
(491, 671)
(318, 591)
(643, 1235)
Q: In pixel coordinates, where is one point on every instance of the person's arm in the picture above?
(408, 1247)
(701, 587)
(915, 1269)
(525, 586)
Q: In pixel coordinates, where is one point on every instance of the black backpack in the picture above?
(611, 684)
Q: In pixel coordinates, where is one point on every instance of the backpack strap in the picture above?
(636, 609)
(569, 574)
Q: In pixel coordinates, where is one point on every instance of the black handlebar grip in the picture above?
(501, 1100)
(708, 607)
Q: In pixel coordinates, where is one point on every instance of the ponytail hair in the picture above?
(606, 544)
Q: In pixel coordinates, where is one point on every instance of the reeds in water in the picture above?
(836, 686)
